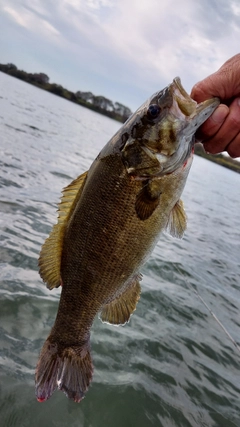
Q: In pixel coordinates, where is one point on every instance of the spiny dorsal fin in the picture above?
(50, 256)
(118, 311)
(177, 222)
(147, 199)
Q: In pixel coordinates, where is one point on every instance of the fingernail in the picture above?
(220, 114)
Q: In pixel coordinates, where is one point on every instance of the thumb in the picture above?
(208, 88)
(224, 83)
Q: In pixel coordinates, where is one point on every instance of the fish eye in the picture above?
(153, 111)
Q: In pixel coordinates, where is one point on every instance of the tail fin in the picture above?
(70, 370)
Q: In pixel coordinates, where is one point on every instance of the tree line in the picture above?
(99, 103)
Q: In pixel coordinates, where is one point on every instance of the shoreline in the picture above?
(220, 159)
(114, 111)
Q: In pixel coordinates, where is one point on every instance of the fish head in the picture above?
(160, 136)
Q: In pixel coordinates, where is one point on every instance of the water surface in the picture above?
(171, 365)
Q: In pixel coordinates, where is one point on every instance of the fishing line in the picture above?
(191, 286)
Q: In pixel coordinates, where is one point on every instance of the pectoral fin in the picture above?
(118, 312)
(177, 222)
(50, 256)
(147, 199)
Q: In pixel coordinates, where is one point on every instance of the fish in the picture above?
(109, 220)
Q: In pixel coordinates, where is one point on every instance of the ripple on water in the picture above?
(171, 365)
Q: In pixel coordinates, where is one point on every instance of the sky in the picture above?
(125, 50)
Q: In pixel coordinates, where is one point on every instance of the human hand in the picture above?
(221, 132)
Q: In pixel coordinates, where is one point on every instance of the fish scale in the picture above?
(110, 219)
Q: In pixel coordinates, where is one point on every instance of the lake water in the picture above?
(171, 365)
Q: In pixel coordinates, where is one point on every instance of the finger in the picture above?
(207, 88)
(227, 132)
(224, 83)
(233, 148)
(213, 124)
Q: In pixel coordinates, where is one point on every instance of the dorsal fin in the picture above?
(177, 222)
(50, 255)
(118, 311)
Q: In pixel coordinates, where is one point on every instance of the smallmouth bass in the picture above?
(109, 221)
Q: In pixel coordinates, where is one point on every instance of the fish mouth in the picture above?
(183, 105)
(188, 116)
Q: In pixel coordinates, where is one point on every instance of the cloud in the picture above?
(111, 45)
(31, 21)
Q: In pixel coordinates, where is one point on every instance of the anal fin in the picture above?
(119, 311)
(177, 222)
